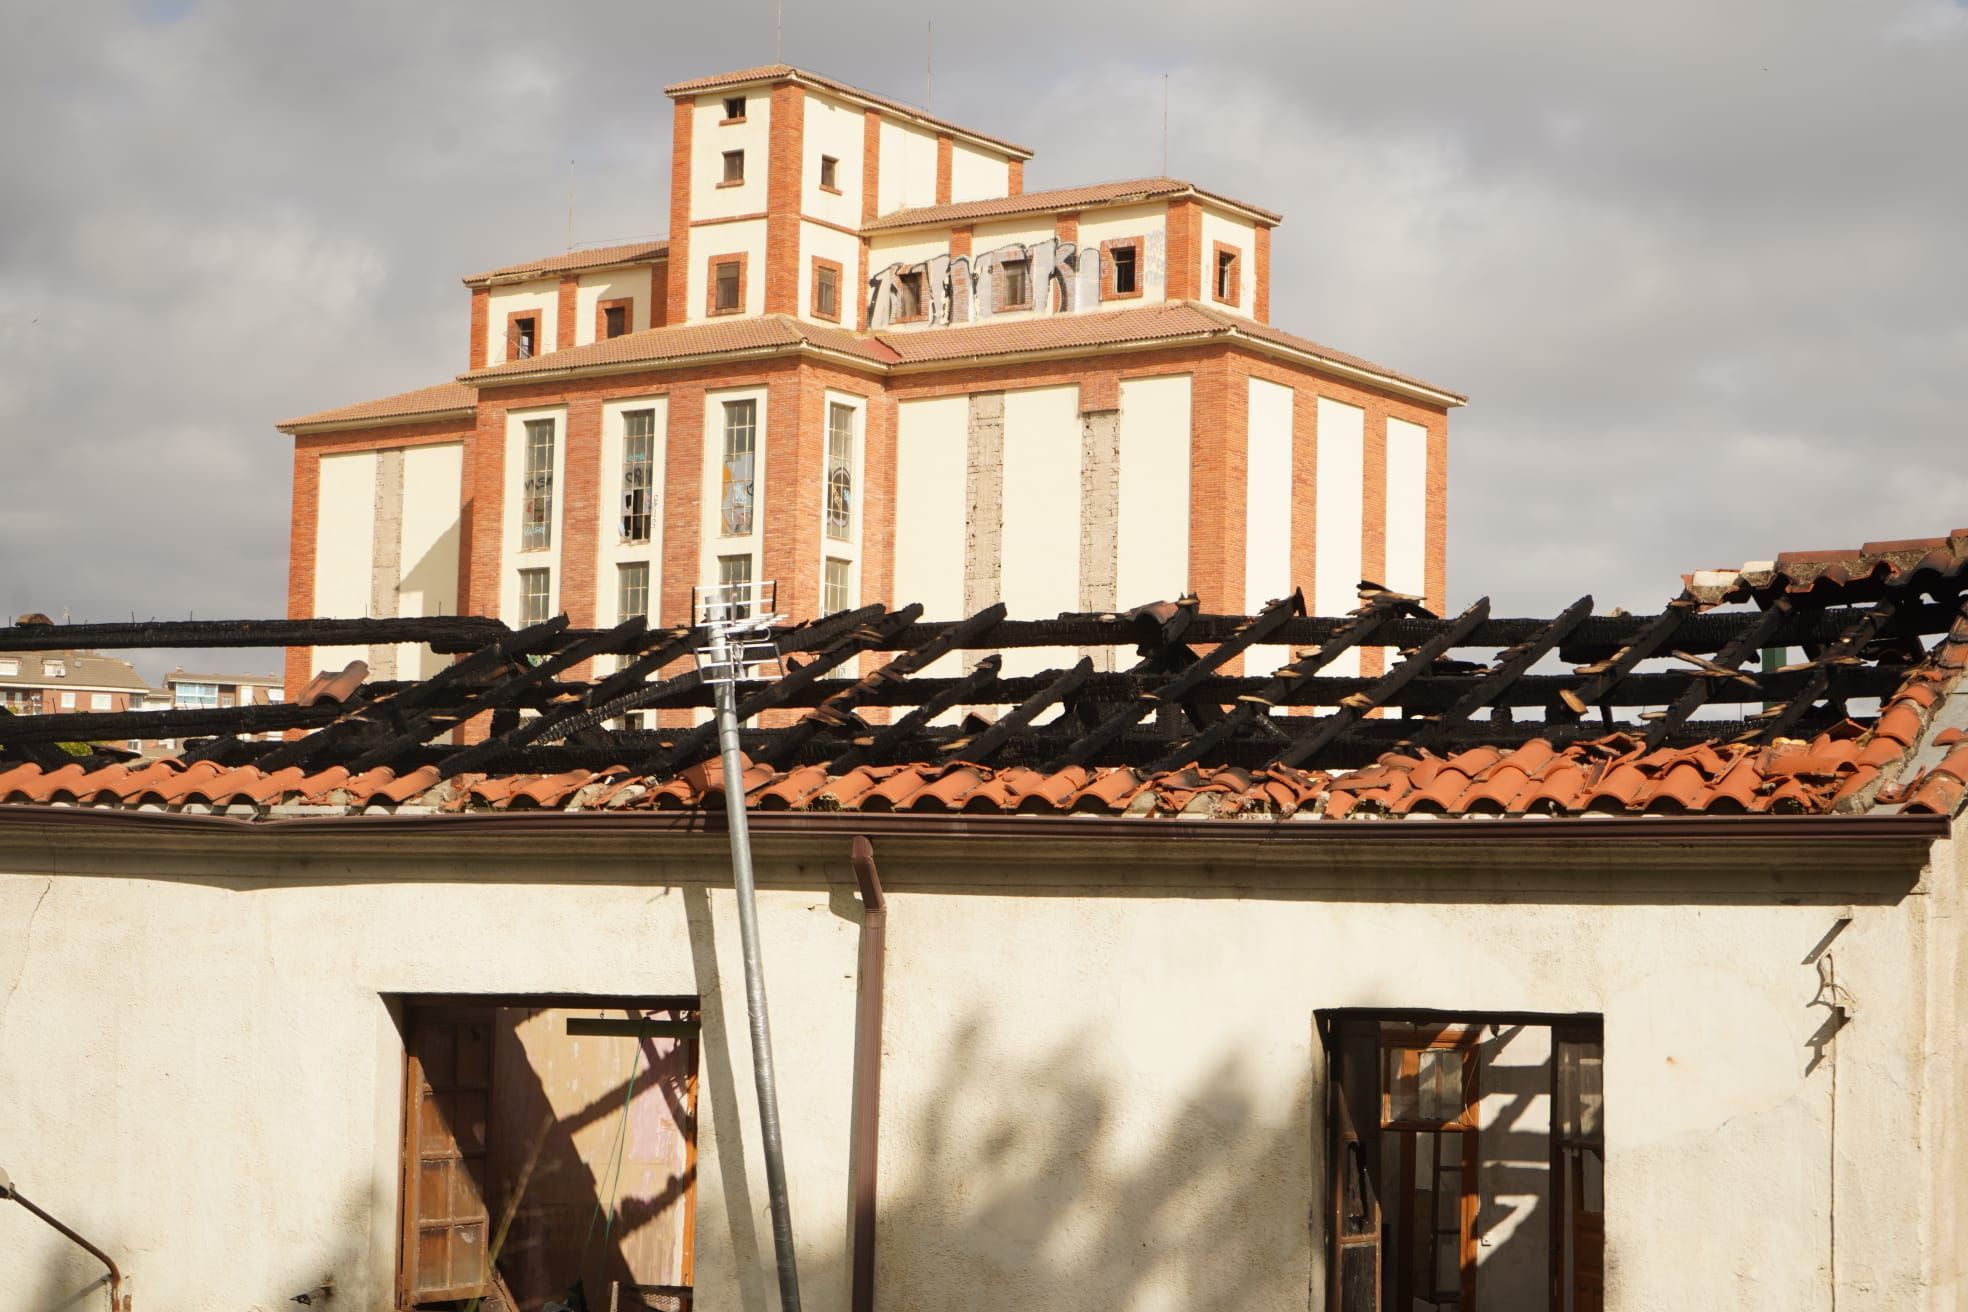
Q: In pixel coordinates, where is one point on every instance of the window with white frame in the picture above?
(735, 493)
(638, 474)
(10, 666)
(632, 590)
(735, 575)
(840, 472)
(197, 696)
(536, 488)
(101, 701)
(535, 596)
(68, 701)
(836, 586)
(54, 669)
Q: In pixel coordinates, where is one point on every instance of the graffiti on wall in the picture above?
(959, 289)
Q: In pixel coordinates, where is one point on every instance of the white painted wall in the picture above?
(835, 128)
(709, 141)
(1268, 511)
(428, 553)
(1338, 516)
(610, 285)
(614, 552)
(1513, 1173)
(906, 248)
(211, 1020)
(747, 237)
(512, 558)
(541, 297)
(907, 167)
(1407, 507)
(845, 250)
(932, 439)
(344, 547)
(1041, 549)
(1231, 231)
(1153, 539)
(977, 174)
(714, 543)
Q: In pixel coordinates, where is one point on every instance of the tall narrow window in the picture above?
(614, 320)
(632, 590)
(525, 338)
(1579, 1153)
(830, 173)
(734, 167)
(735, 499)
(535, 596)
(909, 296)
(1226, 274)
(638, 474)
(826, 292)
(536, 489)
(735, 577)
(840, 472)
(835, 595)
(726, 298)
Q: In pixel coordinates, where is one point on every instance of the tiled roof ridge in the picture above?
(769, 72)
(1113, 192)
(594, 257)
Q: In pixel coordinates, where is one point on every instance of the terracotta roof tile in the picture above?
(1123, 192)
(424, 403)
(599, 257)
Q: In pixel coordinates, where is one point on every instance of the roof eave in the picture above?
(842, 91)
(877, 227)
(303, 428)
(676, 362)
(478, 280)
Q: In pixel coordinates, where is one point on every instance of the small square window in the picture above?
(10, 666)
(54, 669)
(734, 167)
(68, 701)
(1017, 284)
(1124, 271)
(727, 287)
(99, 701)
(826, 292)
(615, 320)
(830, 173)
(734, 107)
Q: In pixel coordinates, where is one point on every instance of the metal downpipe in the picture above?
(117, 1301)
(768, 1095)
(867, 1071)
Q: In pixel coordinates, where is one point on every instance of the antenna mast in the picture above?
(1165, 171)
(929, 71)
(779, 34)
(570, 204)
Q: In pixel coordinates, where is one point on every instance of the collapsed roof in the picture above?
(1160, 711)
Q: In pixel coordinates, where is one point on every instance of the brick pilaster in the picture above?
(301, 531)
(659, 293)
(677, 302)
(481, 309)
(1261, 299)
(1015, 177)
(1185, 250)
(945, 160)
(570, 288)
(782, 199)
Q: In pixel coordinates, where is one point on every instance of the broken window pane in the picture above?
(536, 488)
(638, 474)
(735, 499)
(909, 295)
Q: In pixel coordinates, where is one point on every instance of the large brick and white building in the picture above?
(868, 365)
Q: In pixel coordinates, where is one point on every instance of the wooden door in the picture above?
(446, 1113)
(1353, 1193)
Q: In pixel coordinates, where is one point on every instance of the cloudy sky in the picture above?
(1700, 268)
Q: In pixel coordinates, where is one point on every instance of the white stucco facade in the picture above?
(1102, 1079)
